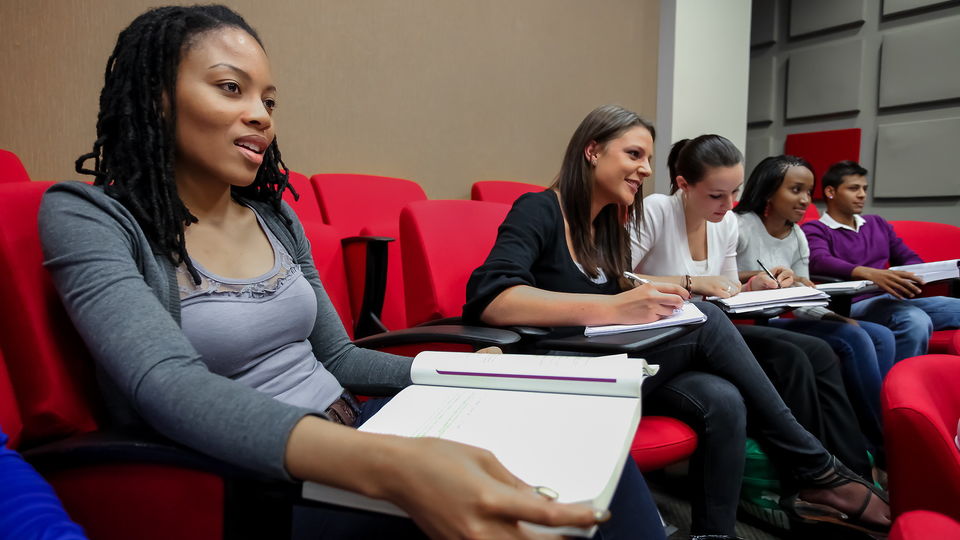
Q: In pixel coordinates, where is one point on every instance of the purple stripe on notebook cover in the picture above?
(520, 376)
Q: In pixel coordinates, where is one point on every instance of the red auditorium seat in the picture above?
(365, 205)
(306, 206)
(921, 407)
(924, 525)
(501, 191)
(822, 149)
(115, 485)
(10, 420)
(11, 169)
(812, 214)
(437, 264)
(50, 371)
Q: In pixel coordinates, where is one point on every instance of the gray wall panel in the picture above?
(918, 159)
(762, 88)
(921, 63)
(807, 16)
(758, 147)
(891, 7)
(824, 80)
(763, 22)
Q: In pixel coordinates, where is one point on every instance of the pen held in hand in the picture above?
(768, 273)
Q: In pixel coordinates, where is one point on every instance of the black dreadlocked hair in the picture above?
(134, 151)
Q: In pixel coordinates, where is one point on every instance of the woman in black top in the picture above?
(558, 261)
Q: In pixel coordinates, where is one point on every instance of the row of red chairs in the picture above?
(423, 224)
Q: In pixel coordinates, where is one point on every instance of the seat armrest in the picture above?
(826, 279)
(474, 336)
(107, 447)
(627, 342)
(374, 258)
(524, 331)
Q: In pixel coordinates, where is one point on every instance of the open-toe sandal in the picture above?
(821, 513)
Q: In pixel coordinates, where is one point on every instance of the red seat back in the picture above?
(501, 191)
(932, 241)
(921, 406)
(10, 422)
(812, 214)
(443, 242)
(328, 258)
(824, 148)
(11, 169)
(351, 202)
(306, 207)
(359, 204)
(48, 363)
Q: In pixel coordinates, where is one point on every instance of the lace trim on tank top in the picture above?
(211, 285)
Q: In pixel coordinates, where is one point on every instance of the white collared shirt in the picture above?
(858, 222)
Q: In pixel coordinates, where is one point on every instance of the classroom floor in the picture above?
(676, 513)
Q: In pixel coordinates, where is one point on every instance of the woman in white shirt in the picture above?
(690, 238)
(775, 198)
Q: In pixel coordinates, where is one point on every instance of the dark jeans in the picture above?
(806, 373)
(866, 354)
(633, 512)
(710, 379)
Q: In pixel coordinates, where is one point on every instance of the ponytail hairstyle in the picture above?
(133, 155)
(608, 247)
(690, 158)
(765, 180)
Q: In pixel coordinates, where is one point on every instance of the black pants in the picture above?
(806, 373)
(711, 380)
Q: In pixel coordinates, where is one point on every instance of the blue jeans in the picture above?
(866, 354)
(911, 320)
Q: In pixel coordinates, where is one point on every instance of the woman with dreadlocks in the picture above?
(193, 286)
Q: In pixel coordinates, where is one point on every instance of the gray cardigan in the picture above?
(123, 298)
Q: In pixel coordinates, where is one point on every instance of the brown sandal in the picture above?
(814, 512)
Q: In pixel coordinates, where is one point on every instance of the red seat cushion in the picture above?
(924, 525)
(11, 169)
(661, 441)
(824, 148)
(945, 342)
(147, 502)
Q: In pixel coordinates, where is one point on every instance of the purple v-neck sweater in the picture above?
(836, 252)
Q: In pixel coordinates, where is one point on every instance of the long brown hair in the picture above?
(609, 247)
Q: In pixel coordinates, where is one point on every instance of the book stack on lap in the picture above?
(789, 297)
(522, 408)
(933, 271)
(688, 314)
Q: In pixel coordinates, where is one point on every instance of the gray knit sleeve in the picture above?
(361, 370)
(107, 276)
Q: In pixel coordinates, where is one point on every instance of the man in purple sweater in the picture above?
(846, 245)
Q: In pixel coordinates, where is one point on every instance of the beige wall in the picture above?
(439, 91)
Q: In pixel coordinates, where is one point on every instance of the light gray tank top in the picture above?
(255, 330)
